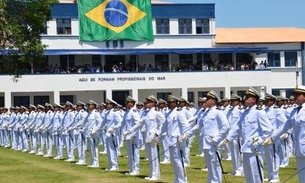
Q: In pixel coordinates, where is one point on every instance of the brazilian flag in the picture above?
(104, 20)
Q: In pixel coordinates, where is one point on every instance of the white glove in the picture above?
(268, 141)
(284, 136)
(104, 128)
(127, 132)
(214, 140)
(183, 137)
(111, 130)
(222, 143)
(93, 132)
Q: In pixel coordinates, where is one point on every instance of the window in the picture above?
(221, 95)
(185, 26)
(21, 100)
(289, 92)
(190, 96)
(107, 44)
(63, 26)
(202, 94)
(206, 58)
(120, 96)
(291, 58)
(132, 64)
(203, 26)
(115, 43)
(163, 95)
(65, 98)
(241, 93)
(121, 43)
(2, 101)
(277, 92)
(274, 59)
(63, 62)
(185, 62)
(162, 26)
(243, 58)
(161, 62)
(96, 60)
(41, 100)
(225, 58)
(71, 60)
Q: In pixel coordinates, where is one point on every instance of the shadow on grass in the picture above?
(197, 169)
(143, 176)
(123, 172)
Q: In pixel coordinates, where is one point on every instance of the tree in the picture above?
(21, 24)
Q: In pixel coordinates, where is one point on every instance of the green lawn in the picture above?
(16, 166)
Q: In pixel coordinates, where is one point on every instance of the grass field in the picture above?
(17, 166)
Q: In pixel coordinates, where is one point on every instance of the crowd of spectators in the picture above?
(209, 66)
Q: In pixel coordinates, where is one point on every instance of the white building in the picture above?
(185, 35)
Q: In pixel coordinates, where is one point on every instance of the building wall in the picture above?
(173, 39)
(161, 41)
(178, 82)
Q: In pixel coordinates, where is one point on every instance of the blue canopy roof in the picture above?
(154, 51)
(149, 51)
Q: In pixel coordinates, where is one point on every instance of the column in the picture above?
(282, 59)
(283, 93)
(109, 93)
(194, 25)
(302, 63)
(234, 60)
(170, 62)
(137, 63)
(103, 62)
(227, 92)
(195, 97)
(268, 89)
(263, 91)
(7, 99)
(184, 93)
(57, 97)
(135, 94)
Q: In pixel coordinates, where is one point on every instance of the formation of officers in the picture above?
(245, 128)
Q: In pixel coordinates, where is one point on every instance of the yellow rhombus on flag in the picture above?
(103, 20)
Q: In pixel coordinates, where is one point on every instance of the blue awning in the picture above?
(154, 51)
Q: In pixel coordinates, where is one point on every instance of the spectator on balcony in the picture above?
(173, 68)
(115, 68)
(265, 64)
(98, 69)
(262, 66)
(91, 68)
(56, 69)
(121, 67)
(67, 31)
(150, 68)
(51, 69)
(205, 67)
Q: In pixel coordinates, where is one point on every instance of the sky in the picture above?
(256, 13)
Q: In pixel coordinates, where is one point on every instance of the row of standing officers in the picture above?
(248, 132)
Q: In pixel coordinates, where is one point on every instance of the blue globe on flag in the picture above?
(116, 13)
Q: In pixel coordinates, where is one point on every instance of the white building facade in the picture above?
(184, 36)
